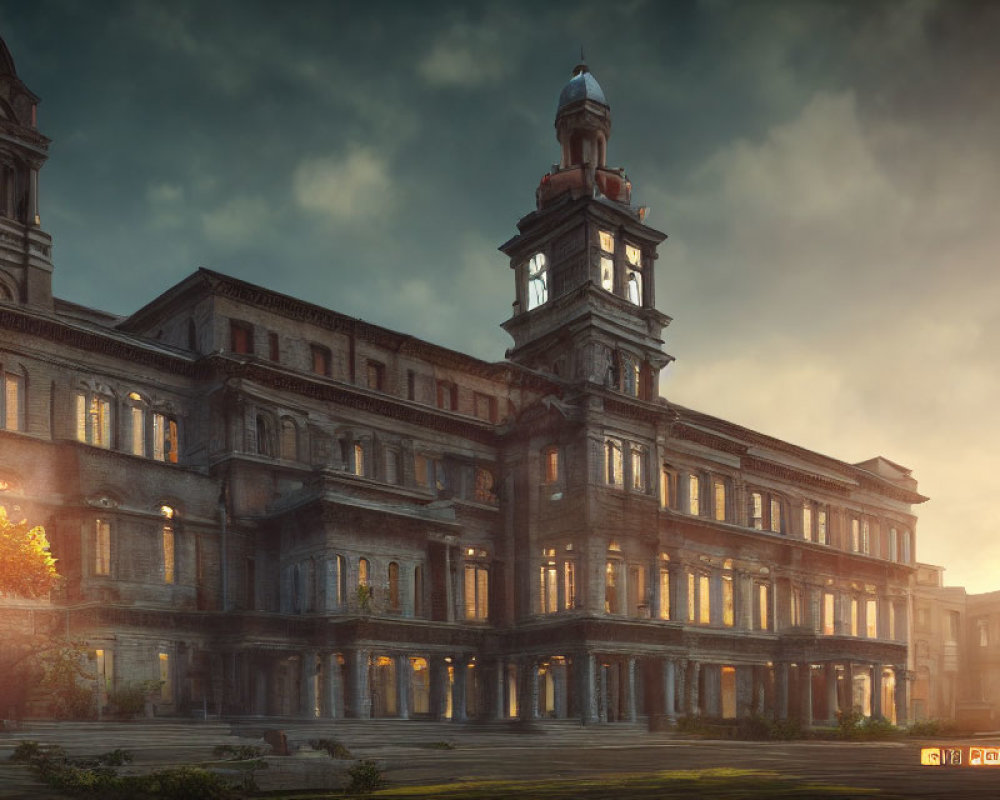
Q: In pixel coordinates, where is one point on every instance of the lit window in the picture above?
(485, 491)
(865, 537)
(550, 459)
(821, 526)
(728, 616)
(340, 581)
(165, 439)
(719, 490)
(569, 585)
(613, 463)
(668, 497)
(893, 545)
(854, 616)
(548, 590)
(12, 401)
(828, 612)
(763, 606)
(775, 515)
(633, 275)
(321, 359)
(364, 572)
(855, 535)
(102, 547)
(694, 490)
(871, 618)
(807, 523)
(892, 621)
(241, 337)
(169, 565)
(704, 600)
(664, 610)
(638, 472)
(93, 419)
(375, 373)
(358, 461)
(538, 281)
(607, 242)
(796, 608)
(477, 589)
(137, 424)
(612, 585)
(757, 511)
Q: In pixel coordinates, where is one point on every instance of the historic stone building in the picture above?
(277, 509)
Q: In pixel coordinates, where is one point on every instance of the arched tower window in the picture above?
(538, 281)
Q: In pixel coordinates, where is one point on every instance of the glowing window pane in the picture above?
(694, 506)
(704, 600)
(821, 527)
(168, 554)
(569, 584)
(102, 547)
(691, 598)
(607, 274)
(854, 616)
(871, 618)
(763, 598)
(757, 511)
(664, 593)
(720, 501)
(828, 610)
(807, 524)
(138, 431)
(727, 601)
(607, 241)
(538, 281)
(775, 515)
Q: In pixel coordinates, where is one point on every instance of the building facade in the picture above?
(275, 509)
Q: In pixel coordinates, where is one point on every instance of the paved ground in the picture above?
(407, 751)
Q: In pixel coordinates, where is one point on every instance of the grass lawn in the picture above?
(709, 783)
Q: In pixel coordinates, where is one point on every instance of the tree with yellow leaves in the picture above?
(27, 569)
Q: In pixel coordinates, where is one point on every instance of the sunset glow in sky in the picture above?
(827, 172)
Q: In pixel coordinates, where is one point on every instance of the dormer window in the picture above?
(633, 275)
(538, 281)
(607, 242)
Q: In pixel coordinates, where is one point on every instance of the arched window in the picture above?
(393, 586)
(538, 281)
(265, 444)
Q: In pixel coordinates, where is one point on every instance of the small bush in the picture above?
(933, 727)
(129, 699)
(31, 752)
(366, 777)
(754, 728)
(192, 783)
(240, 752)
(787, 729)
(332, 746)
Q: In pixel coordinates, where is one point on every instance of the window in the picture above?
(393, 586)
(549, 587)
(613, 462)
(775, 515)
(321, 359)
(165, 439)
(484, 406)
(668, 488)
(828, 613)
(631, 375)
(892, 620)
(795, 612)
(866, 542)
(906, 547)
(550, 464)
(983, 626)
(954, 625)
(169, 565)
(102, 547)
(289, 440)
(477, 589)
(728, 615)
(612, 586)
(607, 244)
(241, 337)
(364, 573)
(538, 281)
(854, 616)
(265, 444)
(691, 596)
(633, 274)
(137, 424)
(358, 459)
(757, 511)
(694, 490)
(704, 600)
(428, 472)
(418, 591)
(871, 618)
(893, 545)
(569, 585)
(637, 605)
(12, 401)
(447, 396)
(273, 348)
(807, 523)
(719, 495)
(392, 465)
(821, 526)
(638, 460)
(93, 419)
(664, 610)
(375, 375)
(339, 581)
(485, 491)
(763, 606)
(855, 535)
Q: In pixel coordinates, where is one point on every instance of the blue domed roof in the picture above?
(582, 86)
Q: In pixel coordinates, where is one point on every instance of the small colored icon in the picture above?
(930, 756)
(951, 756)
(984, 756)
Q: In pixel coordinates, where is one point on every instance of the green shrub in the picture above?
(753, 728)
(31, 752)
(332, 746)
(129, 699)
(786, 730)
(366, 777)
(239, 752)
(933, 727)
(192, 783)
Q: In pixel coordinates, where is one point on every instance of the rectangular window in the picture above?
(807, 523)
(866, 542)
(569, 585)
(102, 547)
(638, 473)
(375, 374)
(871, 618)
(763, 604)
(321, 359)
(821, 526)
(273, 349)
(551, 459)
(664, 610)
(548, 597)
(607, 243)
(893, 545)
(694, 499)
(166, 684)
(728, 617)
(892, 621)
(719, 490)
(667, 499)
(906, 547)
(691, 598)
(359, 459)
(138, 427)
(93, 419)
(447, 396)
(613, 462)
(704, 600)
(241, 337)
(13, 402)
(168, 554)
(855, 536)
(392, 470)
(854, 616)
(828, 613)
(796, 608)
(485, 407)
(477, 589)
(775, 515)
(757, 511)
(637, 591)
(633, 275)
(165, 439)
(612, 584)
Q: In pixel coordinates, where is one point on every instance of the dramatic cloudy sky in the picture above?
(828, 173)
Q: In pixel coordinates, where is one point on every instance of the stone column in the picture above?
(712, 689)
(746, 601)
(715, 596)
(458, 690)
(439, 687)
(876, 690)
(528, 689)
(559, 689)
(630, 689)
(781, 689)
(403, 674)
(830, 679)
(448, 584)
(805, 695)
(694, 671)
(744, 690)
(499, 695)
(682, 685)
(585, 672)
(760, 680)
(307, 684)
(901, 694)
(602, 693)
(669, 680)
(358, 696)
(332, 700)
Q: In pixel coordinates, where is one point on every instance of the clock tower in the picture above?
(584, 309)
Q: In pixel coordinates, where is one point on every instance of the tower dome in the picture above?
(582, 86)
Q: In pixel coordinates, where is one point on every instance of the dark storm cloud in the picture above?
(825, 170)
